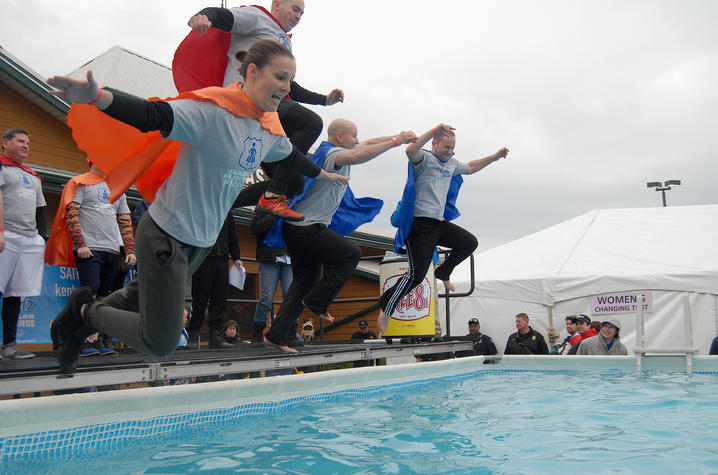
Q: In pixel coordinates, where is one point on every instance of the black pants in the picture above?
(425, 235)
(209, 285)
(311, 248)
(302, 127)
(10, 316)
(290, 186)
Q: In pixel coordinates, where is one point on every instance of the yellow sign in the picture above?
(415, 315)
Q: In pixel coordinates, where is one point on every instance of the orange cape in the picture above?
(58, 251)
(127, 156)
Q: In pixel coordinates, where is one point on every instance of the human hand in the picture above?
(406, 136)
(335, 178)
(337, 95)
(200, 24)
(503, 152)
(238, 264)
(130, 259)
(84, 252)
(442, 128)
(73, 90)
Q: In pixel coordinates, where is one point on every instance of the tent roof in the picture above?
(603, 251)
(130, 72)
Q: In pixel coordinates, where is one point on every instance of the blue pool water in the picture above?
(497, 422)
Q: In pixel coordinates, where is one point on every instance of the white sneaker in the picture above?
(12, 351)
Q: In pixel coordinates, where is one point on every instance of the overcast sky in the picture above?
(593, 98)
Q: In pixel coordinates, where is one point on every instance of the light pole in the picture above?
(662, 187)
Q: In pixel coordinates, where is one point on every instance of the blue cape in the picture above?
(403, 215)
(352, 211)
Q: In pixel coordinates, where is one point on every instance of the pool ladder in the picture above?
(643, 352)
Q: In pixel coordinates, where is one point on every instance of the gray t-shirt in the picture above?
(250, 25)
(21, 194)
(98, 217)
(219, 152)
(432, 179)
(323, 198)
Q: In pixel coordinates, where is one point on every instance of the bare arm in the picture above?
(480, 163)
(365, 152)
(413, 151)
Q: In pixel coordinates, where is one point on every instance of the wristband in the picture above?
(97, 99)
(393, 139)
(433, 132)
(2, 230)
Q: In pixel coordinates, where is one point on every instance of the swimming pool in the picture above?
(446, 416)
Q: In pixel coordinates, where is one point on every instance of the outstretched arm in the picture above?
(139, 113)
(211, 17)
(480, 163)
(373, 148)
(413, 151)
(305, 96)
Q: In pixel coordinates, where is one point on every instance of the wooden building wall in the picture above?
(51, 141)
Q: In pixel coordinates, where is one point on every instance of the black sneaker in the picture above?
(70, 318)
(69, 353)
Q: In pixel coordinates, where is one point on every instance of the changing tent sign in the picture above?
(625, 302)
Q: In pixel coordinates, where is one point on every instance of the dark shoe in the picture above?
(70, 318)
(257, 333)
(262, 222)
(193, 341)
(219, 343)
(102, 349)
(69, 353)
(277, 205)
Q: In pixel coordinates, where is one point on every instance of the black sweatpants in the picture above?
(425, 235)
(311, 248)
(209, 285)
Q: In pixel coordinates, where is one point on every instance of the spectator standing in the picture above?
(275, 268)
(483, 344)
(210, 286)
(85, 231)
(607, 343)
(363, 333)
(526, 341)
(23, 226)
(572, 329)
(585, 330)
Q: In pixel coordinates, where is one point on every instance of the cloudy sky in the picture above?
(593, 98)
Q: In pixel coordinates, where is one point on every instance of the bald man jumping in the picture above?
(313, 243)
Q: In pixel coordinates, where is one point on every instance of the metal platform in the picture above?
(42, 373)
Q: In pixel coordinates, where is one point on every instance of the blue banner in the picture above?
(36, 313)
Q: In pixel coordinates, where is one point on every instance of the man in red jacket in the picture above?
(584, 331)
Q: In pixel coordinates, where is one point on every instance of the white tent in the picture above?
(666, 254)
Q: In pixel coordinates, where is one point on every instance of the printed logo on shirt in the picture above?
(25, 179)
(251, 155)
(284, 41)
(103, 195)
(444, 172)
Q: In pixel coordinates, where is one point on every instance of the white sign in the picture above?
(625, 302)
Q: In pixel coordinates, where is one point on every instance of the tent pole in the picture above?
(552, 336)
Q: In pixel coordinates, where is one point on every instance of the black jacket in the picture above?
(532, 343)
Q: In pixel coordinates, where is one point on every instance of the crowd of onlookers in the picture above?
(584, 338)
